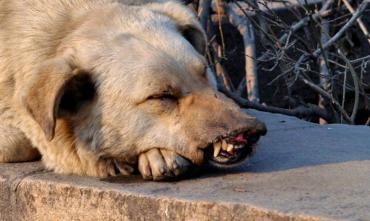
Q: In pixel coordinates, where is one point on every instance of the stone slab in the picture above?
(301, 171)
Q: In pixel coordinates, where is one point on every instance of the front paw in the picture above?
(161, 164)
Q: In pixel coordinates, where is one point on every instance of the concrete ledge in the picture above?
(301, 171)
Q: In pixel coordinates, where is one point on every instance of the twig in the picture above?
(356, 84)
(214, 50)
(221, 75)
(219, 8)
(344, 92)
(360, 59)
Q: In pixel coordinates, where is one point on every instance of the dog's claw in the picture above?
(144, 167)
(160, 164)
(123, 168)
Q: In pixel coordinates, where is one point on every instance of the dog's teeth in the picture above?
(216, 149)
(224, 145)
(230, 148)
(238, 147)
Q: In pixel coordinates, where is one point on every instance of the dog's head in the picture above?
(134, 79)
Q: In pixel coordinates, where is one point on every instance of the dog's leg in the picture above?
(63, 154)
(160, 164)
(15, 147)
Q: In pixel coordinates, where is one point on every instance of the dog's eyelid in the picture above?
(163, 95)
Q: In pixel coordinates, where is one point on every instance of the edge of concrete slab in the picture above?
(42, 195)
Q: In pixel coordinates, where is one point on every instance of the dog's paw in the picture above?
(161, 164)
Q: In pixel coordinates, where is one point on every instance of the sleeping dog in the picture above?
(106, 87)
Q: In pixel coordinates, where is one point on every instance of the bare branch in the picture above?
(344, 92)
(323, 63)
(220, 11)
(349, 24)
(204, 10)
(327, 96)
(221, 74)
(335, 38)
(303, 22)
(246, 30)
(355, 82)
(359, 21)
(300, 112)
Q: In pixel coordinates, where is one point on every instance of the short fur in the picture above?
(92, 84)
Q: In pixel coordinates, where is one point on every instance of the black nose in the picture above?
(255, 126)
(261, 129)
(256, 132)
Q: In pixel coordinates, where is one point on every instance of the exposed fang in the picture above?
(216, 149)
(224, 145)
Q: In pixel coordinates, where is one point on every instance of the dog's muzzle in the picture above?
(231, 150)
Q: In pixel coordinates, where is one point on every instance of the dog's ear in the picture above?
(57, 89)
(195, 36)
(186, 21)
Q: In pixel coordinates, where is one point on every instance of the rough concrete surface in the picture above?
(301, 171)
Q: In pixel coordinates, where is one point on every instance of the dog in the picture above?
(107, 87)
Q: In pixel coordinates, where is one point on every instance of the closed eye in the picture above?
(165, 96)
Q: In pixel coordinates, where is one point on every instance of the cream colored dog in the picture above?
(101, 87)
